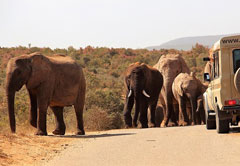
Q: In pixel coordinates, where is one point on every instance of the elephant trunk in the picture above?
(10, 93)
(10, 99)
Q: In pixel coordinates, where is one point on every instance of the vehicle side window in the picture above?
(216, 65)
(236, 59)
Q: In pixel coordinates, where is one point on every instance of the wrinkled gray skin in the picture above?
(170, 66)
(55, 81)
(188, 88)
(143, 85)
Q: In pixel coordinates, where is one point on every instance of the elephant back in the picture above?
(237, 80)
(170, 61)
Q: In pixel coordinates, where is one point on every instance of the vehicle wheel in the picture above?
(210, 121)
(222, 125)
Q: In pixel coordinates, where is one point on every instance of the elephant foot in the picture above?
(171, 124)
(128, 126)
(58, 132)
(151, 125)
(163, 124)
(41, 133)
(33, 123)
(135, 124)
(142, 126)
(80, 132)
(183, 123)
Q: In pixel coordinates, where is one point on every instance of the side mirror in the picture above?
(206, 77)
(206, 59)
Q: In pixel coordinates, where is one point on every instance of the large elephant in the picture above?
(170, 66)
(55, 81)
(143, 85)
(186, 87)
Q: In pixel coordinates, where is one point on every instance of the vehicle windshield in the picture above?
(236, 59)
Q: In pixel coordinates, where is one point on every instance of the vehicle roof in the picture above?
(220, 44)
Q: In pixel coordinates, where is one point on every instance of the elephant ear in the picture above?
(147, 74)
(24, 61)
(179, 88)
(41, 67)
(40, 62)
(237, 80)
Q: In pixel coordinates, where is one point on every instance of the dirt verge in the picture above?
(27, 149)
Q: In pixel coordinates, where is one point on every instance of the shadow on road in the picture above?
(235, 130)
(92, 136)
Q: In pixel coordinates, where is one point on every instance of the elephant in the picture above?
(54, 82)
(143, 85)
(186, 87)
(170, 66)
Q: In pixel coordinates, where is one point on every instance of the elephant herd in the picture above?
(58, 81)
(168, 86)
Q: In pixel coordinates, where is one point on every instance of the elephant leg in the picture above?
(170, 115)
(198, 118)
(33, 109)
(202, 116)
(79, 115)
(136, 113)
(60, 125)
(166, 112)
(182, 112)
(43, 99)
(143, 114)
(152, 111)
(168, 98)
(176, 113)
(193, 102)
(41, 118)
(127, 111)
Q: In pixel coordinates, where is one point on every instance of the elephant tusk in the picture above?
(145, 93)
(130, 93)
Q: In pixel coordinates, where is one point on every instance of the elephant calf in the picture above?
(187, 88)
(143, 85)
(56, 81)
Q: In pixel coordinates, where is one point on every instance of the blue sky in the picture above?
(113, 23)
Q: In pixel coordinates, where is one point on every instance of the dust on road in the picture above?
(192, 145)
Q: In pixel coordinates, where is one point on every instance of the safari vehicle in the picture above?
(222, 97)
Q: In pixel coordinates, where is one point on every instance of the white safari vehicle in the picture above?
(222, 98)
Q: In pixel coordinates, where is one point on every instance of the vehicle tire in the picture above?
(222, 125)
(210, 121)
(236, 80)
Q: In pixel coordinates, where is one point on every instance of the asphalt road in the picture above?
(192, 145)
